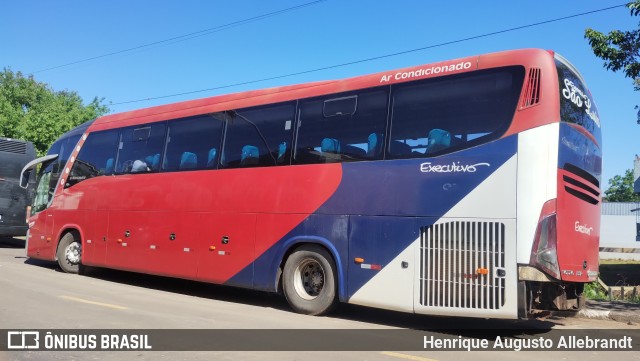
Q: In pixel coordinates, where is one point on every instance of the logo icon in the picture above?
(23, 340)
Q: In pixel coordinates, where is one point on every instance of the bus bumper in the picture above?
(13, 230)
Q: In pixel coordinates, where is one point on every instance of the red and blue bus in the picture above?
(468, 187)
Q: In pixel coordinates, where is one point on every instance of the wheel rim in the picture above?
(309, 279)
(72, 253)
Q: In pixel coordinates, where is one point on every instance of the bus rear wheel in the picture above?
(309, 280)
(69, 253)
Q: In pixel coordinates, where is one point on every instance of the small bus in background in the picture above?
(14, 155)
(468, 187)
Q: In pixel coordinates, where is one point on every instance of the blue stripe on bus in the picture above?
(402, 196)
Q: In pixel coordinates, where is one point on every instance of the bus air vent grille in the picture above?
(581, 184)
(531, 93)
(12, 146)
(462, 265)
(581, 190)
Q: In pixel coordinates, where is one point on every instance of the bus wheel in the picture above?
(69, 253)
(309, 280)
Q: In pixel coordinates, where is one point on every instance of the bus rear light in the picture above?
(545, 247)
(482, 271)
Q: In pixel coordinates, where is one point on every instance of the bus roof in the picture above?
(526, 57)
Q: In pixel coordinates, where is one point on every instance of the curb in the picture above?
(619, 316)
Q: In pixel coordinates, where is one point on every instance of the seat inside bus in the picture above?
(250, 155)
(282, 151)
(375, 142)
(108, 167)
(188, 161)
(211, 157)
(438, 139)
(153, 161)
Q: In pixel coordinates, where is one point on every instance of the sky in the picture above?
(243, 46)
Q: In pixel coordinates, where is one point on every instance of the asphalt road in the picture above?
(36, 295)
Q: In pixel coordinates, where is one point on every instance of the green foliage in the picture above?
(593, 291)
(620, 50)
(621, 189)
(31, 110)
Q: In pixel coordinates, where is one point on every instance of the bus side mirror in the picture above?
(25, 175)
(24, 178)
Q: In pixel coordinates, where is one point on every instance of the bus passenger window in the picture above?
(136, 145)
(258, 136)
(192, 141)
(96, 157)
(342, 127)
(441, 115)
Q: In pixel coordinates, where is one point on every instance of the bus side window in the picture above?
(193, 143)
(96, 157)
(342, 128)
(258, 136)
(136, 145)
(439, 115)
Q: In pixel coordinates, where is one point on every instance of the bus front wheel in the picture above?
(69, 253)
(309, 280)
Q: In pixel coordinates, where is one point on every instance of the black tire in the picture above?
(309, 280)
(69, 253)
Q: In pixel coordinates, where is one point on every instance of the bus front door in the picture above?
(40, 240)
(40, 243)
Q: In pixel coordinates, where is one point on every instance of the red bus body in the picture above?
(238, 226)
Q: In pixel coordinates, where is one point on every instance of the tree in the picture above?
(620, 50)
(621, 189)
(32, 111)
